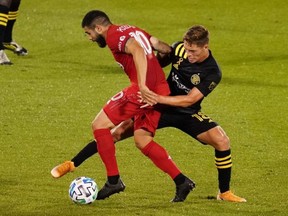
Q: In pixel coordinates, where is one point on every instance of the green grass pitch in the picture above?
(49, 98)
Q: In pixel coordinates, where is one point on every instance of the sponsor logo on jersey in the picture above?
(121, 39)
(181, 86)
(119, 45)
(212, 86)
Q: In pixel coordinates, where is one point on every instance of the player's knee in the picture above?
(222, 143)
(117, 135)
(138, 144)
(142, 138)
(141, 142)
(6, 3)
(94, 125)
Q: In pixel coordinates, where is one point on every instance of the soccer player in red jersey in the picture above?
(132, 48)
(8, 16)
(194, 75)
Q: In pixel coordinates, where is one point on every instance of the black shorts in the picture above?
(193, 125)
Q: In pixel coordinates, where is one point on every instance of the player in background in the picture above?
(132, 49)
(194, 74)
(8, 16)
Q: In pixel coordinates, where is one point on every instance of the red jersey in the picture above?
(117, 37)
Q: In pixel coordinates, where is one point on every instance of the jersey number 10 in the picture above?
(142, 40)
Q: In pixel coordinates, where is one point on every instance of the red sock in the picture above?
(106, 150)
(161, 159)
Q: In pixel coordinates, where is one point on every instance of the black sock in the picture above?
(12, 16)
(86, 152)
(9, 27)
(113, 179)
(179, 179)
(3, 23)
(223, 163)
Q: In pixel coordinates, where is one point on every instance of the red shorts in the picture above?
(124, 105)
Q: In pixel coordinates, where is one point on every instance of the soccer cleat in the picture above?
(4, 59)
(16, 48)
(109, 189)
(183, 190)
(62, 169)
(229, 196)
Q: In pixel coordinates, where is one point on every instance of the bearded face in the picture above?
(95, 37)
(100, 40)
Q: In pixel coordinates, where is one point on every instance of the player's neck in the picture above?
(204, 57)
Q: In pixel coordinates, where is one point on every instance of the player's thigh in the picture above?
(169, 119)
(215, 137)
(123, 130)
(196, 124)
(102, 121)
(6, 3)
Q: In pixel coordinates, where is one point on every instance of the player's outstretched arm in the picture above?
(163, 51)
(179, 100)
(160, 46)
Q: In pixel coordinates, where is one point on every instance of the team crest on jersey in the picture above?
(195, 79)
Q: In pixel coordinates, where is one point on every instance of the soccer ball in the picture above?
(83, 190)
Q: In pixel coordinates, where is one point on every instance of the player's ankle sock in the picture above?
(9, 28)
(3, 23)
(179, 179)
(12, 16)
(223, 163)
(89, 150)
(113, 179)
(161, 159)
(106, 150)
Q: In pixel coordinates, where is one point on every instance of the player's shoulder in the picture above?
(178, 48)
(120, 29)
(177, 44)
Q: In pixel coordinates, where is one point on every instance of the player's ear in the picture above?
(98, 29)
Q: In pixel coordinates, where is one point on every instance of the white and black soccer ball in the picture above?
(83, 190)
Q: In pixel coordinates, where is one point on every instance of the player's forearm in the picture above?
(180, 100)
(160, 46)
(141, 67)
(163, 48)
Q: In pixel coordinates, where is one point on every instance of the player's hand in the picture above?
(147, 96)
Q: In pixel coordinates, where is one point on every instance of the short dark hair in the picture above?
(198, 35)
(95, 17)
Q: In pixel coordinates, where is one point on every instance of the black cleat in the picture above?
(16, 48)
(183, 190)
(109, 189)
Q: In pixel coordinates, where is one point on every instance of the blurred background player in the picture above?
(8, 16)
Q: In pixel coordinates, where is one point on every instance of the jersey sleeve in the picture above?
(129, 33)
(210, 82)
